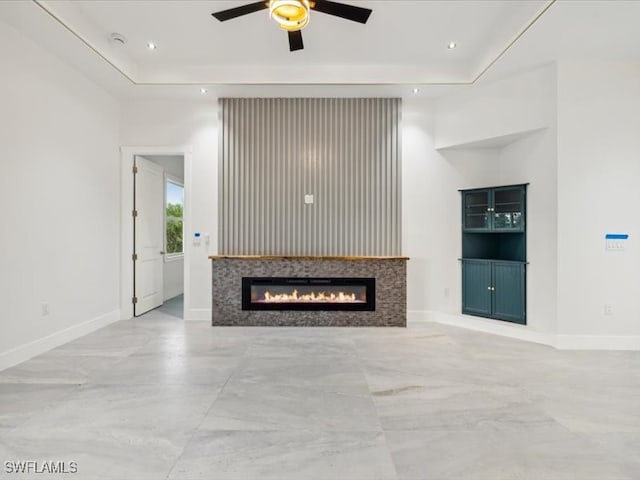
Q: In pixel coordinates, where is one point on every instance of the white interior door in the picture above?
(148, 235)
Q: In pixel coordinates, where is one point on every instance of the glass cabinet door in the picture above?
(507, 209)
(476, 210)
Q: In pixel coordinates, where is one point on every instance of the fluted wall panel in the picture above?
(343, 151)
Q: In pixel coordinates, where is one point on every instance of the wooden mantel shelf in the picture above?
(295, 257)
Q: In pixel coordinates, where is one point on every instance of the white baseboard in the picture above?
(522, 332)
(29, 350)
(198, 314)
(597, 342)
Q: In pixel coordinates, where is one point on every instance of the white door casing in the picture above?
(148, 235)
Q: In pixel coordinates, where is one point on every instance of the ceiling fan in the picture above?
(293, 15)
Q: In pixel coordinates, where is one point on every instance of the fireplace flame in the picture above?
(312, 297)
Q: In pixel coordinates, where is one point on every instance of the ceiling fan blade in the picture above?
(295, 41)
(350, 12)
(224, 15)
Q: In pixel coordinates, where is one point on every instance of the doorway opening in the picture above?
(155, 218)
(158, 234)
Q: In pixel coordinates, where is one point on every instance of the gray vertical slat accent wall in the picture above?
(344, 151)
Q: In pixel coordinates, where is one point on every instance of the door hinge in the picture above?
(134, 257)
(134, 169)
(134, 213)
(134, 300)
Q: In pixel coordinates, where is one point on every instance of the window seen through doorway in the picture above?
(174, 217)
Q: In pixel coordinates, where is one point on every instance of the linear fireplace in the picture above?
(293, 293)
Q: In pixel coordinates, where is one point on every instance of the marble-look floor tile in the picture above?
(554, 453)
(167, 370)
(156, 322)
(390, 372)
(538, 453)
(196, 345)
(403, 342)
(114, 431)
(267, 406)
(622, 446)
(122, 453)
(19, 401)
(301, 371)
(140, 397)
(590, 410)
(105, 343)
(173, 411)
(448, 455)
(290, 346)
(58, 369)
(456, 406)
(290, 455)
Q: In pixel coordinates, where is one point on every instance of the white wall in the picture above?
(533, 160)
(431, 210)
(173, 278)
(492, 134)
(172, 164)
(598, 182)
(516, 104)
(60, 195)
(158, 123)
(579, 149)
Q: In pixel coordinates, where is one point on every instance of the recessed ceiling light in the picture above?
(415, 90)
(203, 91)
(118, 38)
(151, 46)
(452, 45)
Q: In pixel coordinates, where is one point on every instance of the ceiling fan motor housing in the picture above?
(291, 15)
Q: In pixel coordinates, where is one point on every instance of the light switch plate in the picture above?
(615, 241)
(308, 199)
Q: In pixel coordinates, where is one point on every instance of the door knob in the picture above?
(161, 252)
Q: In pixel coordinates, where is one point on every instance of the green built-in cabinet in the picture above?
(494, 253)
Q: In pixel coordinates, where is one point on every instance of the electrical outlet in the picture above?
(44, 309)
(608, 309)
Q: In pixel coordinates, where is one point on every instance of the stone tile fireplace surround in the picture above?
(390, 290)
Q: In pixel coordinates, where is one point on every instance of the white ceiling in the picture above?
(404, 44)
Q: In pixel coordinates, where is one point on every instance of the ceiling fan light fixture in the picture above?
(291, 15)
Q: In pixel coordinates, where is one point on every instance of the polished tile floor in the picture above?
(158, 398)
